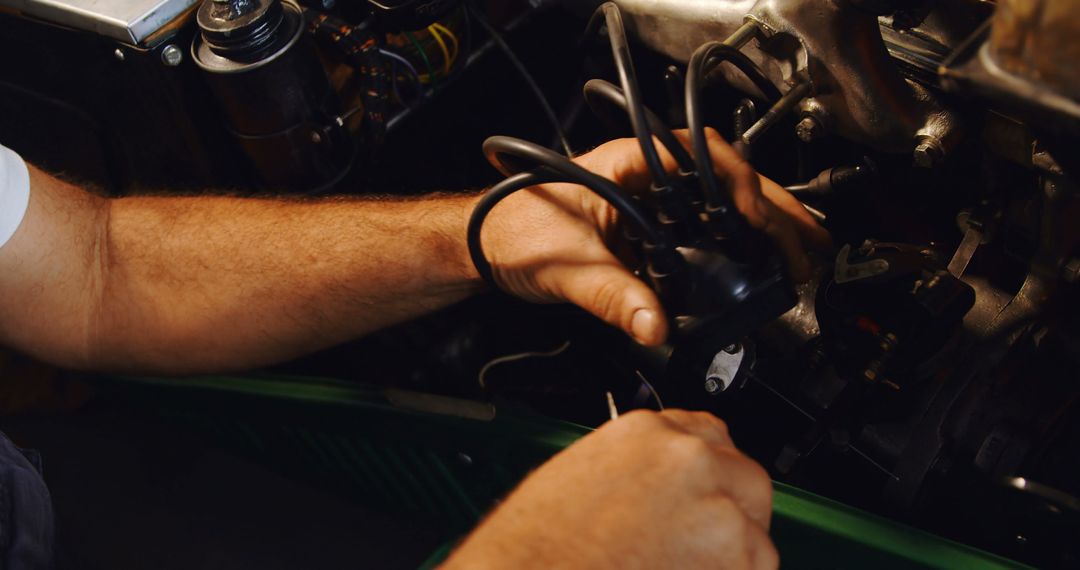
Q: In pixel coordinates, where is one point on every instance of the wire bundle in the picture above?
(680, 201)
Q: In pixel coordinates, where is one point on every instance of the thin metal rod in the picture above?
(743, 35)
(777, 112)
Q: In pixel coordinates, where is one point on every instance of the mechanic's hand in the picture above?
(648, 490)
(551, 243)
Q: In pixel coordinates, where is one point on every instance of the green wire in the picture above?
(423, 56)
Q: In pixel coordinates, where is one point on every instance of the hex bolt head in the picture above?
(713, 386)
(928, 152)
(171, 55)
(809, 129)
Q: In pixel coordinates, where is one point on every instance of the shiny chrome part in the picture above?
(724, 368)
(172, 56)
(129, 21)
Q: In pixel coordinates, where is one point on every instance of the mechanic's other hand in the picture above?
(551, 243)
(648, 490)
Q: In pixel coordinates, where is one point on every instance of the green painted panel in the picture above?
(456, 463)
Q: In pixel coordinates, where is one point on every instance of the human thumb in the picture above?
(613, 294)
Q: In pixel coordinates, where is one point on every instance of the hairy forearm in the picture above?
(215, 283)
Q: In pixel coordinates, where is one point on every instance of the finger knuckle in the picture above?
(730, 516)
(686, 450)
(718, 424)
(606, 297)
(640, 419)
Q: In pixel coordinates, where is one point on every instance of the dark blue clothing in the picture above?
(26, 516)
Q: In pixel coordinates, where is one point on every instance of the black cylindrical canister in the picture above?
(273, 92)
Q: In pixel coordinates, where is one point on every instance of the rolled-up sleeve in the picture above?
(14, 192)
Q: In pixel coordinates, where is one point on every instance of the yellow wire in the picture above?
(453, 39)
(442, 45)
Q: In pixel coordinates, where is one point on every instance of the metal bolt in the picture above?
(1071, 272)
(928, 152)
(316, 137)
(713, 386)
(118, 54)
(171, 55)
(809, 129)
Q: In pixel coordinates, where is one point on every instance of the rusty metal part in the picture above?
(1024, 60)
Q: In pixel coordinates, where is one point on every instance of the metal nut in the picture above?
(809, 129)
(713, 386)
(171, 55)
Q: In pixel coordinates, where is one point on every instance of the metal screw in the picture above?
(712, 385)
(118, 54)
(316, 137)
(171, 55)
(928, 152)
(809, 129)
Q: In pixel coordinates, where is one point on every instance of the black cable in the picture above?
(548, 110)
(484, 206)
(718, 204)
(498, 149)
(620, 51)
(598, 88)
(719, 52)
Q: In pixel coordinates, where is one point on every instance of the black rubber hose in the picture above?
(620, 51)
(706, 57)
(530, 155)
(484, 206)
(598, 89)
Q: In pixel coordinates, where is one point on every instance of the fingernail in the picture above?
(643, 325)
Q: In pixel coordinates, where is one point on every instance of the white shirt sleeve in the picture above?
(14, 192)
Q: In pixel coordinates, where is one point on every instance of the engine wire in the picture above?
(442, 46)
(624, 65)
(430, 77)
(454, 44)
(524, 72)
(655, 394)
(482, 376)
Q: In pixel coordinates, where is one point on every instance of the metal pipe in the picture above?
(743, 35)
(777, 112)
